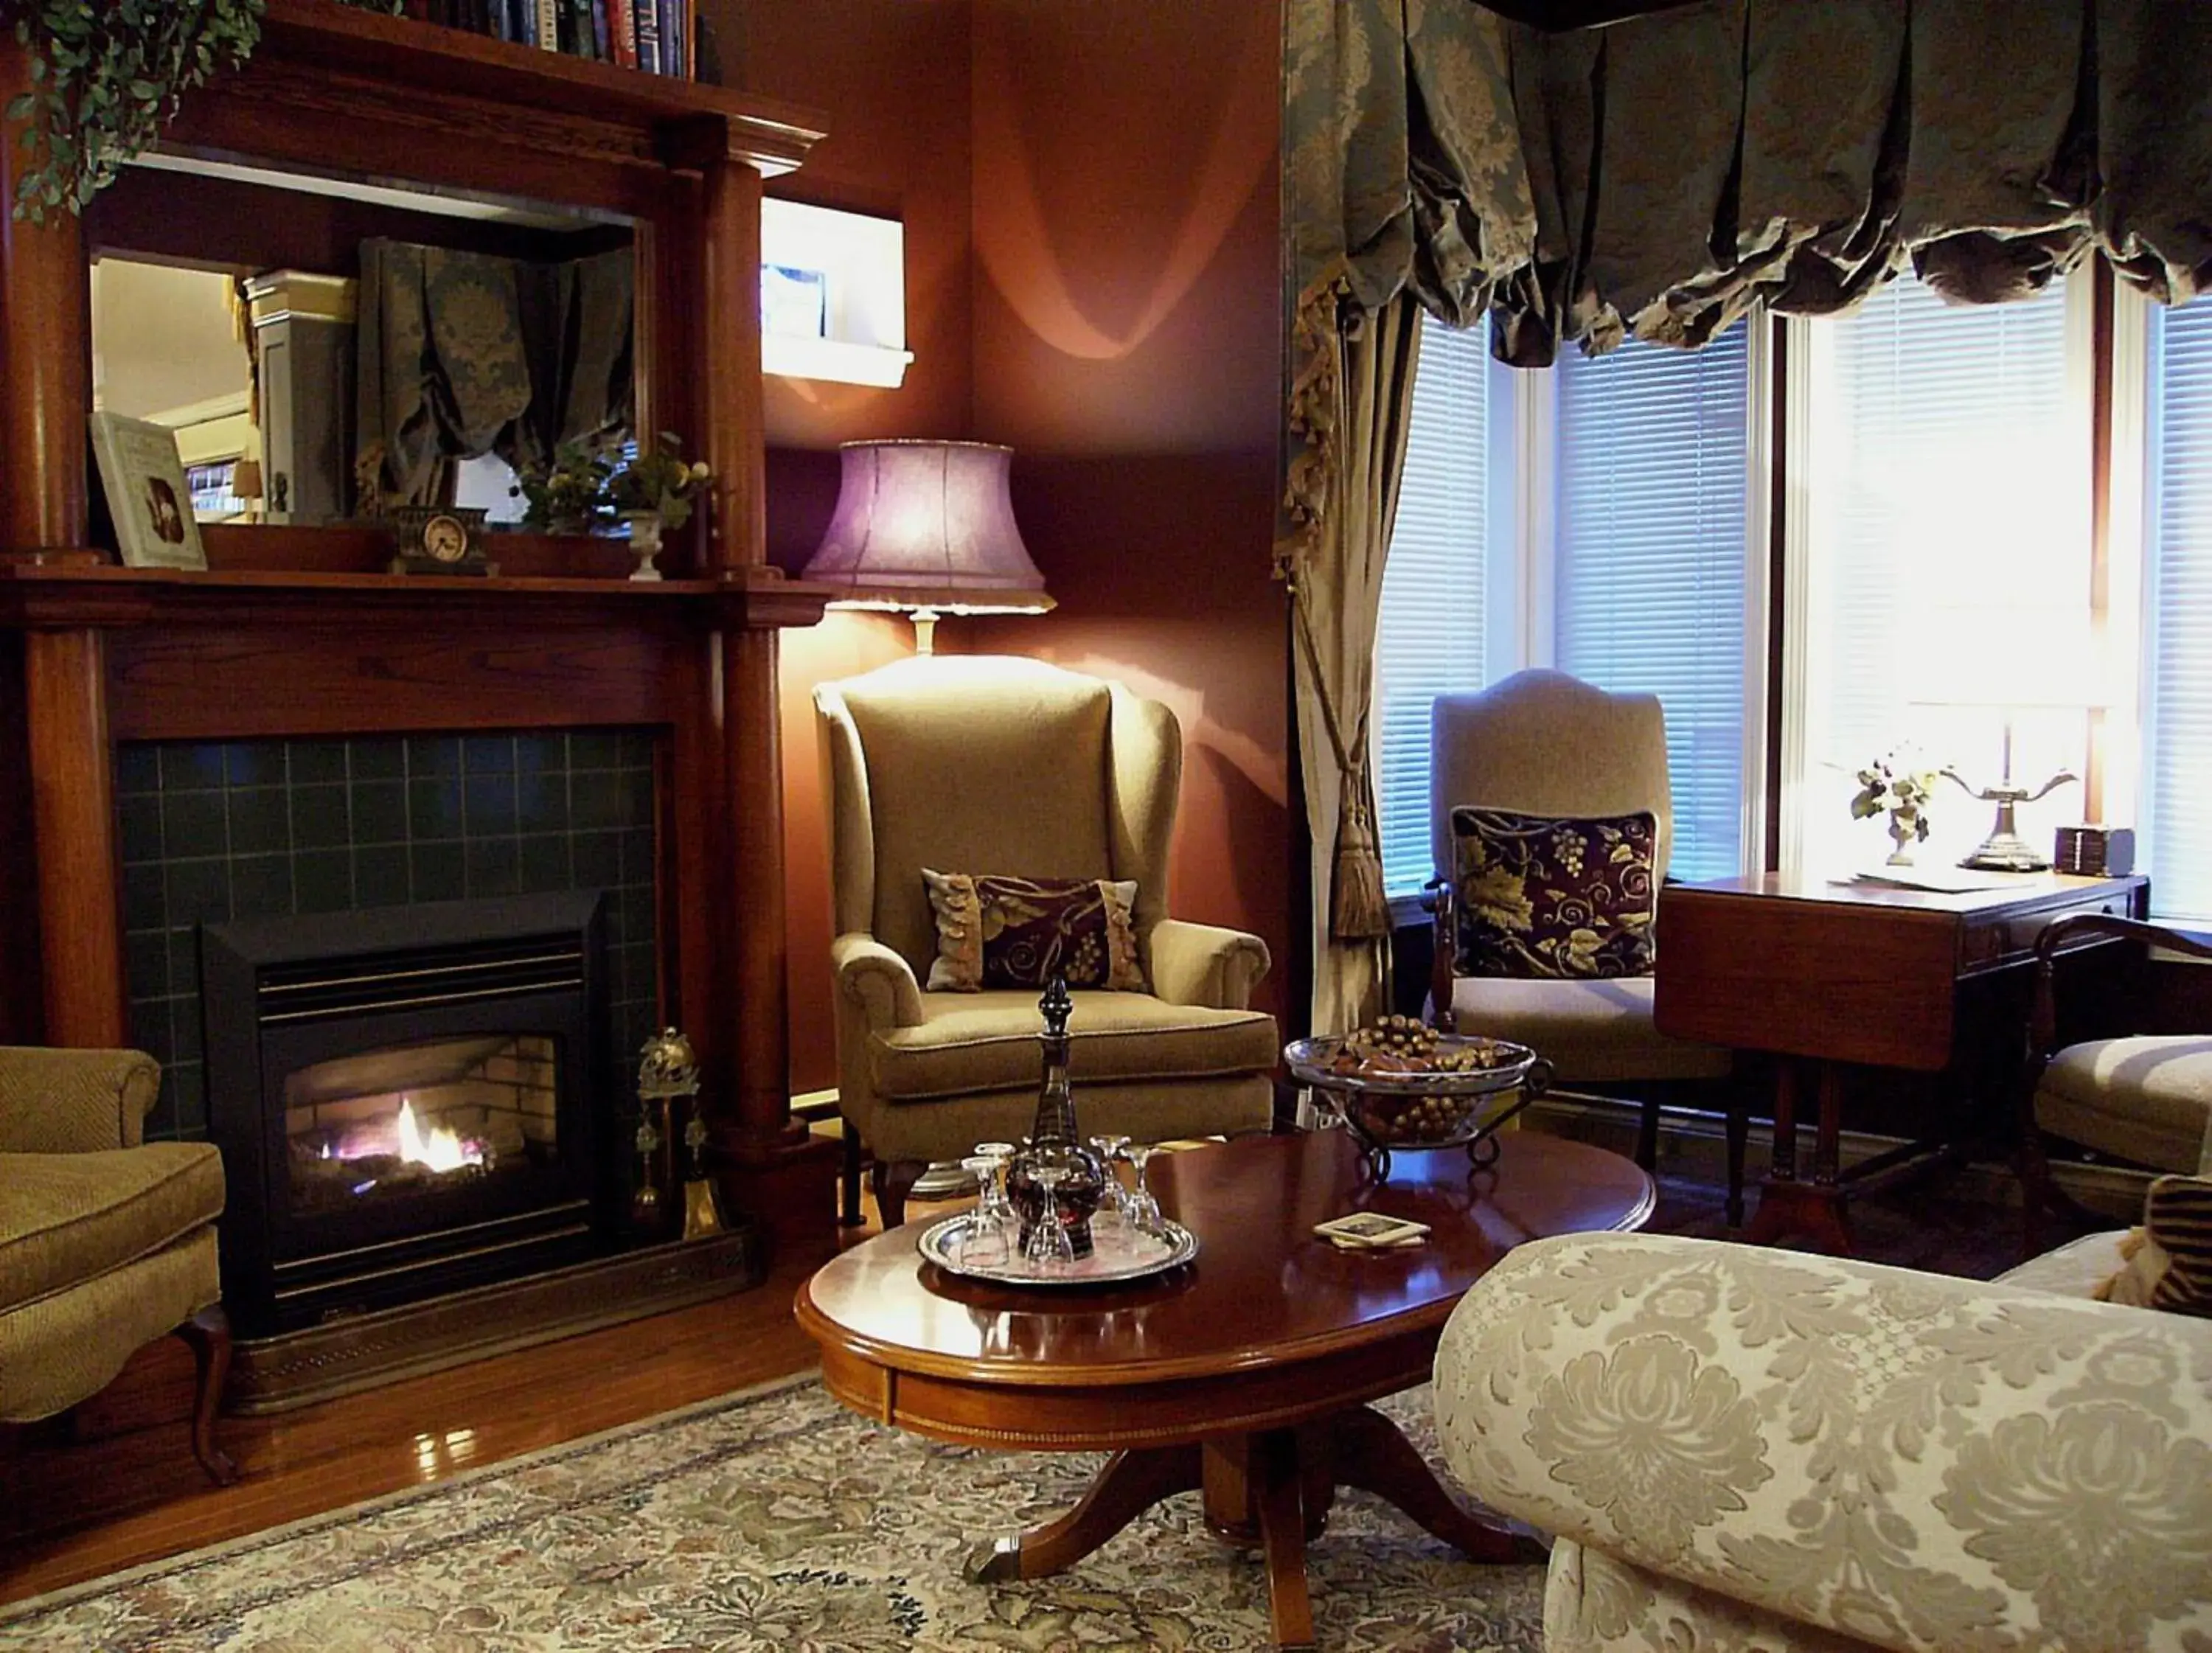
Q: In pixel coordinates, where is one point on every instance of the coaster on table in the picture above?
(1371, 1230)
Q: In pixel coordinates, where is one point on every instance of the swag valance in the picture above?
(1657, 177)
(464, 354)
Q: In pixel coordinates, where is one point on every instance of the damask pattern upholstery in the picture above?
(1748, 1449)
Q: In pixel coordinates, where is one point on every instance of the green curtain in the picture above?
(464, 354)
(1658, 177)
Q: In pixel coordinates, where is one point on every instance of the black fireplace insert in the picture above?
(408, 1100)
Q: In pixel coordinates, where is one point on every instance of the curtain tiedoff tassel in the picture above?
(1359, 910)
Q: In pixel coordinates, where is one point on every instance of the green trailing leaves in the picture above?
(106, 75)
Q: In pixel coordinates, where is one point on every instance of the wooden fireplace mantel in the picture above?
(51, 595)
(295, 632)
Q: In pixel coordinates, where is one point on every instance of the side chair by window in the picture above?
(1541, 744)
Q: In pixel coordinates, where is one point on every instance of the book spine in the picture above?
(601, 46)
(681, 37)
(622, 33)
(548, 25)
(587, 43)
(649, 35)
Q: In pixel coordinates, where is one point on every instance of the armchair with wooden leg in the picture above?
(983, 765)
(107, 1242)
(2137, 1097)
(1543, 743)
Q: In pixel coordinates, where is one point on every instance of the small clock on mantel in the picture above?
(439, 539)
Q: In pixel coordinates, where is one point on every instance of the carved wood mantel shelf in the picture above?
(294, 632)
(52, 593)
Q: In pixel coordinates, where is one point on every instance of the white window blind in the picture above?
(1455, 513)
(2177, 624)
(1650, 508)
(1947, 475)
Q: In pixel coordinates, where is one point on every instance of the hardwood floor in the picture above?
(122, 1488)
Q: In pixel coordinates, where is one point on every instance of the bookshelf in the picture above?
(296, 630)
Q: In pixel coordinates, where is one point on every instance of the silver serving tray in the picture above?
(1153, 1257)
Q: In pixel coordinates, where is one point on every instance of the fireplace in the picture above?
(409, 1101)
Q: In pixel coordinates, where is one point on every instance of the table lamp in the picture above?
(926, 528)
(2036, 657)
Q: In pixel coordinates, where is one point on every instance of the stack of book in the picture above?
(654, 35)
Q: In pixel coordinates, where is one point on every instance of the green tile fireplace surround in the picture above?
(211, 832)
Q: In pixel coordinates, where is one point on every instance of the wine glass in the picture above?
(986, 1241)
(1046, 1248)
(1142, 1211)
(1111, 1219)
(992, 1189)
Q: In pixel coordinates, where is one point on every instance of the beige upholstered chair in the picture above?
(2143, 1098)
(1542, 743)
(982, 765)
(1746, 1449)
(106, 1242)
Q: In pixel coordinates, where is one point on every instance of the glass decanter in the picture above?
(1056, 1143)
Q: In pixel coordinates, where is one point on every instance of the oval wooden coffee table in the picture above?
(1244, 1375)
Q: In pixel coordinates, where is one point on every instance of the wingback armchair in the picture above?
(107, 1242)
(982, 765)
(1739, 1447)
(2134, 1095)
(1543, 743)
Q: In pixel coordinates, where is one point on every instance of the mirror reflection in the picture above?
(327, 360)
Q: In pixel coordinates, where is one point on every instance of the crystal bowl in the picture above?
(1451, 1107)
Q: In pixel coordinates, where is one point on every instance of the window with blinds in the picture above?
(1650, 508)
(2177, 771)
(1455, 521)
(1947, 462)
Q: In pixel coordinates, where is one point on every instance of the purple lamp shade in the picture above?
(927, 524)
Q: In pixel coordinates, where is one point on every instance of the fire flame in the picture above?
(440, 1150)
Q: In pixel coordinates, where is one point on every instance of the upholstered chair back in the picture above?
(1543, 743)
(986, 763)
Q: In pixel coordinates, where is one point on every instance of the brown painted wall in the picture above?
(1091, 221)
(1127, 346)
(891, 79)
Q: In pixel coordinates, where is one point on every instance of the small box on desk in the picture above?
(2095, 852)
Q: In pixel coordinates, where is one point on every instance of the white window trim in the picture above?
(1536, 429)
(2123, 738)
(1757, 610)
(1796, 571)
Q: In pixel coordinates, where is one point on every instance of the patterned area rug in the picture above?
(775, 1519)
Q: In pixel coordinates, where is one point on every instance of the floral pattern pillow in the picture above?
(994, 930)
(1554, 896)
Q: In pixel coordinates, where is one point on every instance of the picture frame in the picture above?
(795, 302)
(142, 474)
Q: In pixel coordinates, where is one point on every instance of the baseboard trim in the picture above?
(1693, 1143)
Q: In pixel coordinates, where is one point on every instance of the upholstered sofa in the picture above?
(107, 1242)
(990, 764)
(1742, 1449)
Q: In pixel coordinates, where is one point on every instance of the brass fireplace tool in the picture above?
(667, 1086)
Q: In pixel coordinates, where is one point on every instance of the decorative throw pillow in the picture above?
(999, 932)
(2168, 1261)
(1554, 896)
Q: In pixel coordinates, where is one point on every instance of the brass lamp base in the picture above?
(2004, 850)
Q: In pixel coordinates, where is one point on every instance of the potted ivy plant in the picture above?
(106, 75)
